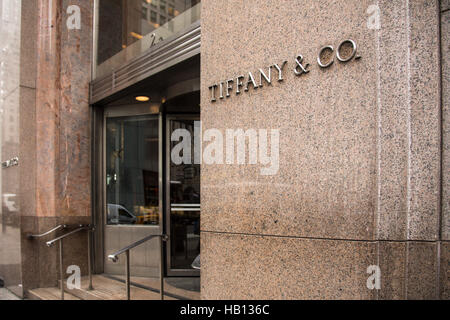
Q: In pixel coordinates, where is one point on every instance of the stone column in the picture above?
(56, 70)
(445, 91)
(359, 184)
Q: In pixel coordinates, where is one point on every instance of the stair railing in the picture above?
(115, 257)
(60, 239)
(37, 236)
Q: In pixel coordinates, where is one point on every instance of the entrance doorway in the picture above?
(183, 201)
(145, 192)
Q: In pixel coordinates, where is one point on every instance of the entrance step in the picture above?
(186, 288)
(49, 294)
(107, 287)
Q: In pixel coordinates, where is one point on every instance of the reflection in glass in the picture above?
(127, 28)
(132, 170)
(11, 178)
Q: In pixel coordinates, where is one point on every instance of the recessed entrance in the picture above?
(144, 192)
(183, 202)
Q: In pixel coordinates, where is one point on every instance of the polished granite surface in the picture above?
(359, 182)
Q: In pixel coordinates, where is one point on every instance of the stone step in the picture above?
(49, 294)
(113, 288)
(179, 288)
(105, 288)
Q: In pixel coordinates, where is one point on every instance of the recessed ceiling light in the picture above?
(136, 35)
(142, 98)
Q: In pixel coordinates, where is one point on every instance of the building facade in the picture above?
(299, 148)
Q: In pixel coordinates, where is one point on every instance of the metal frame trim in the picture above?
(163, 55)
(131, 113)
(170, 271)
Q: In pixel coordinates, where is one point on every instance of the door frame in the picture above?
(135, 111)
(169, 270)
(99, 158)
(131, 111)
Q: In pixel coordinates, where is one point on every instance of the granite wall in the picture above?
(55, 134)
(445, 90)
(359, 183)
(363, 178)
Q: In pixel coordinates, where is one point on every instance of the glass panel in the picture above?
(184, 205)
(132, 170)
(126, 28)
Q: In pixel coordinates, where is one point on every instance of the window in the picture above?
(123, 22)
(171, 10)
(132, 170)
(153, 16)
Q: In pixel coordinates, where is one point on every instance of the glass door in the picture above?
(183, 195)
(132, 170)
(133, 181)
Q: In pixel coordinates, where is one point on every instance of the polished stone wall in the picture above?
(53, 177)
(360, 175)
(445, 90)
(445, 54)
(363, 176)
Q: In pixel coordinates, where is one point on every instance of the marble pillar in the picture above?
(55, 135)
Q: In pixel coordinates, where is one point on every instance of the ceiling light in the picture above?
(136, 35)
(142, 98)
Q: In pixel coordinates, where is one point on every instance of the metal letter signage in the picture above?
(243, 83)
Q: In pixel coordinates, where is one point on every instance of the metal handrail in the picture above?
(115, 257)
(80, 228)
(36, 236)
(60, 239)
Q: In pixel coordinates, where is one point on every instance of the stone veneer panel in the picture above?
(255, 267)
(409, 178)
(55, 130)
(26, 155)
(359, 149)
(325, 185)
(359, 152)
(258, 267)
(391, 257)
(445, 45)
(425, 132)
(74, 181)
(422, 270)
(28, 56)
(47, 106)
(62, 111)
(444, 268)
